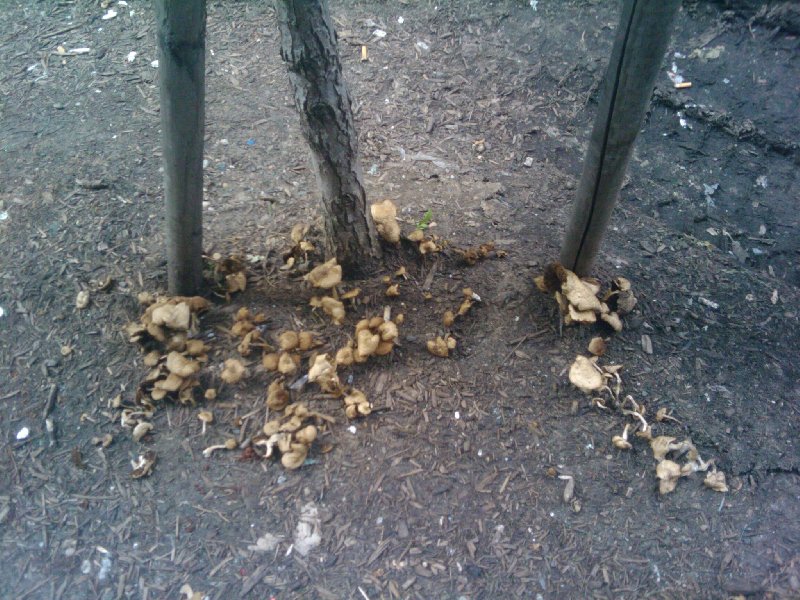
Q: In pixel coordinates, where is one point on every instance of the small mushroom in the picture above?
(230, 444)
(448, 318)
(82, 300)
(597, 346)
(385, 216)
(622, 442)
(393, 291)
(174, 316)
(716, 481)
(141, 430)
(181, 366)
(206, 416)
(288, 341)
(286, 364)
(306, 435)
(585, 376)
(210, 394)
(277, 396)
(344, 356)
(233, 371)
(325, 276)
(270, 361)
(668, 473)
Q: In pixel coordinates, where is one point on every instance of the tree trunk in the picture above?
(181, 62)
(308, 46)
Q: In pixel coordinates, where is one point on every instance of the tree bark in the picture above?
(308, 46)
(181, 61)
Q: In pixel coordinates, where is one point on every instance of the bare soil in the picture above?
(448, 489)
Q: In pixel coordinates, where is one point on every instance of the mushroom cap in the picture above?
(597, 346)
(206, 416)
(288, 340)
(584, 375)
(325, 276)
(233, 371)
(180, 365)
(175, 316)
(270, 361)
(322, 368)
(344, 356)
(385, 216)
(286, 364)
(367, 342)
(277, 396)
(438, 347)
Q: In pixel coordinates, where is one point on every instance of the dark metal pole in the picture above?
(642, 37)
(181, 65)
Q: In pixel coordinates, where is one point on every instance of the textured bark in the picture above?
(308, 46)
(181, 61)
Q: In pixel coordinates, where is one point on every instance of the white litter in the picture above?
(400, 20)
(154, 64)
(131, 56)
(23, 433)
(109, 15)
(352, 429)
(266, 543)
(307, 533)
(379, 33)
(3, 215)
(422, 46)
(2, 312)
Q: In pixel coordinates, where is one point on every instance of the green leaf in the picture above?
(426, 220)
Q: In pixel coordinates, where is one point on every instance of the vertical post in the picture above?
(181, 61)
(642, 37)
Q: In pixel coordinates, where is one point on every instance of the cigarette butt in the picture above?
(683, 85)
(364, 54)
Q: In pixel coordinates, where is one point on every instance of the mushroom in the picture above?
(668, 473)
(385, 216)
(597, 346)
(141, 430)
(233, 371)
(295, 457)
(82, 300)
(716, 481)
(661, 446)
(325, 276)
(206, 416)
(210, 394)
(344, 356)
(286, 364)
(230, 444)
(306, 435)
(288, 341)
(584, 374)
(366, 343)
(175, 316)
(305, 340)
(181, 366)
(393, 291)
(440, 346)
(448, 318)
(622, 442)
(270, 361)
(277, 396)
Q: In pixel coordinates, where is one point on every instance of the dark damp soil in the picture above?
(451, 488)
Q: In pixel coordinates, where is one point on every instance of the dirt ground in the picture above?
(450, 488)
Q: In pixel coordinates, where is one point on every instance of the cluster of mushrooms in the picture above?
(578, 299)
(595, 379)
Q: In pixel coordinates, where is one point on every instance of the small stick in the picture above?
(51, 401)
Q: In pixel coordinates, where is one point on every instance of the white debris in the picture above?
(307, 533)
(23, 433)
(379, 33)
(266, 543)
(131, 56)
(401, 20)
(3, 215)
(761, 181)
(422, 46)
(708, 303)
(534, 4)
(109, 15)
(154, 64)
(352, 429)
